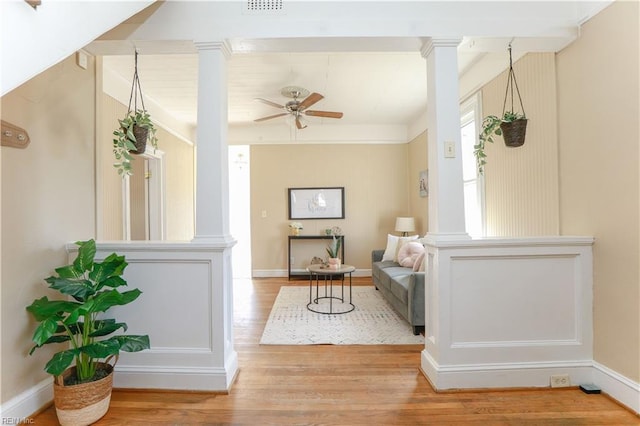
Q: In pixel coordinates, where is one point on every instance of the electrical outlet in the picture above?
(560, 381)
(292, 260)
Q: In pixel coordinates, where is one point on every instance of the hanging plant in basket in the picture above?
(82, 392)
(512, 126)
(135, 130)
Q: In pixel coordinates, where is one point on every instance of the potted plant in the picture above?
(131, 137)
(82, 392)
(512, 127)
(333, 250)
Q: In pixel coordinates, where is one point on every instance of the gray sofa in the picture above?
(401, 287)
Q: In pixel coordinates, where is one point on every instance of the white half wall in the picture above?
(508, 312)
(184, 309)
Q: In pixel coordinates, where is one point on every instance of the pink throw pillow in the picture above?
(409, 252)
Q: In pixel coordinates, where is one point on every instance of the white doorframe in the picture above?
(155, 206)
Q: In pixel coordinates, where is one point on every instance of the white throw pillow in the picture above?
(392, 244)
(391, 252)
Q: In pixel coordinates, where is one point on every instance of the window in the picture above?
(470, 122)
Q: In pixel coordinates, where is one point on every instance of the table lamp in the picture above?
(405, 225)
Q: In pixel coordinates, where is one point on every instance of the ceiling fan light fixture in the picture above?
(298, 109)
(294, 92)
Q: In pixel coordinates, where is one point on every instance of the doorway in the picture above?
(240, 209)
(144, 209)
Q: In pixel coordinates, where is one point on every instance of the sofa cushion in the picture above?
(401, 287)
(396, 271)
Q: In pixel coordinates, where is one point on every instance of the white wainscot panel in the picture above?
(508, 312)
(174, 308)
(514, 300)
(185, 308)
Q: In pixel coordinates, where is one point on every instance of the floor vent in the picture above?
(263, 6)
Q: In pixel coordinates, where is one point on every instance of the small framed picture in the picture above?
(424, 183)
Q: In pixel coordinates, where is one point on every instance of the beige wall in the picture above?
(179, 169)
(598, 114)
(418, 161)
(180, 186)
(521, 184)
(376, 190)
(47, 201)
(109, 183)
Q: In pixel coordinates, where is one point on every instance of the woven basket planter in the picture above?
(82, 404)
(141, 134)
(513, 132)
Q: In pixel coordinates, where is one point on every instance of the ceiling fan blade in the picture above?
(273, 104)
(328, 114)
(310, 100)
(299, 124)
(270, 117)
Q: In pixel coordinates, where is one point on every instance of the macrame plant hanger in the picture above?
(511, 82)
(140, 132)
(513, 131)
(135, 87)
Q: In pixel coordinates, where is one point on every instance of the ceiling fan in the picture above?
(298, 108)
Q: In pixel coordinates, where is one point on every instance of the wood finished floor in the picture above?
(343, 385)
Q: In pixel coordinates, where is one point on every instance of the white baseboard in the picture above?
(503, 375)
(617, 386)
(269, 273)
(183, 378)
(481, 376)
(283, 273)
(27, 403)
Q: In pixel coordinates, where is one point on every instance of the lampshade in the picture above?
(405, 225)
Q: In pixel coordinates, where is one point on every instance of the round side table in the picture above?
(335, 305)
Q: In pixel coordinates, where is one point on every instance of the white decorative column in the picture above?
(446, 192)
(212, 169)
(212, 200)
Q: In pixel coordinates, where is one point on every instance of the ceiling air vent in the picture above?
(259, 7)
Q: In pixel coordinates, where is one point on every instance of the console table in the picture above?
(294, 238)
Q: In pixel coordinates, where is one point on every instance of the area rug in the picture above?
(372, 322)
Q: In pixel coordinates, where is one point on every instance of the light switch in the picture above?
(264, 213)
(449, 149)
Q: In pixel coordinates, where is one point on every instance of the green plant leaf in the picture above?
(68, 271)
(80, 289)
(112, 282)
(85, 256)
(133, 343)
(102, 349)
(53, 339)
(43, 308)
(106, 327)
(45, 330)
(107, 299)
(60, 362)
(112, 265)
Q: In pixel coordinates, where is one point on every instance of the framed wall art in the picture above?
(316, 203)
(423, 183)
